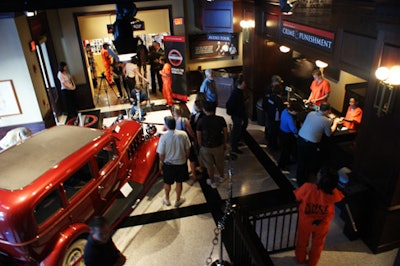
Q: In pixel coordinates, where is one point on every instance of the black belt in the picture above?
(307, 141)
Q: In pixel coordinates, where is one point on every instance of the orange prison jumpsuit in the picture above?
(319, 90)
(354, 115)
(167, 83)
(105, 57)
(315, 205)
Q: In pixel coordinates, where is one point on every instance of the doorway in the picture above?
(94, 31)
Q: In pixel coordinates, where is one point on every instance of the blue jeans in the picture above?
(134, 108)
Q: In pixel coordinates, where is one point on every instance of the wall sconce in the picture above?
(246, 25)
(30, 13)
(389, 79)
(284, 49)
(321, 64)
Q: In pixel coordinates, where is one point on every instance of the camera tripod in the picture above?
(104, 85)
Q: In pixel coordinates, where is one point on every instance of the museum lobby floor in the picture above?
(158, 235)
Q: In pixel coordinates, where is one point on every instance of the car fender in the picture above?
(67, 237)
(144, 159)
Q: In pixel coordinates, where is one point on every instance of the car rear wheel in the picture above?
(74, 255)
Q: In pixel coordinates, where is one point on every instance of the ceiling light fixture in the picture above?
(284, 49)
(30, 13)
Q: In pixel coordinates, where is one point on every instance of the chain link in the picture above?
(214, 242)
(229, 209)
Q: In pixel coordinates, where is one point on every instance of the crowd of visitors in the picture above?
(200, 141)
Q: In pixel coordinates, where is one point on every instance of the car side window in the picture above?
(47, 207)
(105, 155)
(78, 180)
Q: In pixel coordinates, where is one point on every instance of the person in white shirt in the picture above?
(131, 71)
(67, 89)
(173, 149)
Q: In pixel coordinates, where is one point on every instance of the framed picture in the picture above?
(9, 104)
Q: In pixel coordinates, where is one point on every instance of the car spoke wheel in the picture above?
(74, 255)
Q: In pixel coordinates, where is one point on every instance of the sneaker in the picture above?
(179, 202)
(219, 179)
(211, 183)
(166, 202)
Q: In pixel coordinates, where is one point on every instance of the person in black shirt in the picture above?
(212, 135)
(100, 250)
(155, 66)
(236, 109)
(275, 85)
(273, 106)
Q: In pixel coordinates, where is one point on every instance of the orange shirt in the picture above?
(316, 204)
(166, 70)
(319, 90)
(355, 115)
(105, 57)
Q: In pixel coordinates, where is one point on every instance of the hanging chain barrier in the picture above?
(229, 209)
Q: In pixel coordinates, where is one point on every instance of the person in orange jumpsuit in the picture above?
(316, 212)
(353, 116)
(320, 89)
(166, 75)
(106, 59)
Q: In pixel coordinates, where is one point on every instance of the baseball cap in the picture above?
(276, 78)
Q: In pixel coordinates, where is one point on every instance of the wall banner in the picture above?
(175, 53)
(213, 45)
(321, 39)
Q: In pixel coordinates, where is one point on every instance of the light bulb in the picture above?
(244, 24)
(382, 73)
(394, 75)
(321, 64)
(284, 49)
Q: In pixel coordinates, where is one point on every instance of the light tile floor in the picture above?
(187, 241)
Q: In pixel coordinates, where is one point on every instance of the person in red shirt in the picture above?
(316, 211)
(353, 116)
(106, 59)
(166, 75)
(320, 89)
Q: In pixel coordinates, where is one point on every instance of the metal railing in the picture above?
(276, 228)
(243, 244)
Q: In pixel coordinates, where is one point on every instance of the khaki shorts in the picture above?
(213, 156)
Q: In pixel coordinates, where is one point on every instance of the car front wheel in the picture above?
(74, 255)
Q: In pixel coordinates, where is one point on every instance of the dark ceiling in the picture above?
(31, 5)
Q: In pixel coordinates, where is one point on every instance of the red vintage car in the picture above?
(55, 182)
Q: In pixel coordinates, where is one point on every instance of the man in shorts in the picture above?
(212, 135)
(173, 149)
